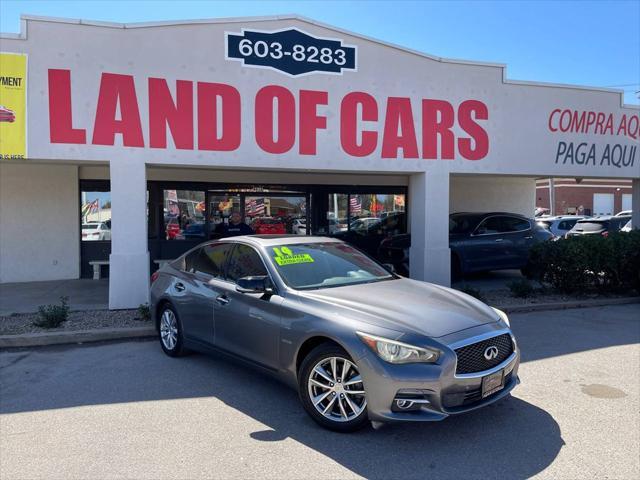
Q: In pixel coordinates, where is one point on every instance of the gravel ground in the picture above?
(85, 320)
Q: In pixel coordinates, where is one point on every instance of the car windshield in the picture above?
(90, 226)
(306, 266)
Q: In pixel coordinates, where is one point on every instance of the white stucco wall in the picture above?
(493, 193)
(39, 226)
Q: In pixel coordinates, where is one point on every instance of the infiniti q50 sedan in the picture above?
(358, 342)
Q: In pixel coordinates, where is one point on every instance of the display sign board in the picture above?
(291, 51)
(289, 94)
(13, 106)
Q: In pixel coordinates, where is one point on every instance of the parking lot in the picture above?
(125, 410)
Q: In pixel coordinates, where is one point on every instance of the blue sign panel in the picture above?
(291, 51)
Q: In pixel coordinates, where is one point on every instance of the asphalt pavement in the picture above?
(125, 410)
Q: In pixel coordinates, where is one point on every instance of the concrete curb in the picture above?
(540, 307)
(79, 336)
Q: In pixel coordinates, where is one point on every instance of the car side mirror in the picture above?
(254, 284)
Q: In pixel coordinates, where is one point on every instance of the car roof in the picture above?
(561, 217)
(275, 239)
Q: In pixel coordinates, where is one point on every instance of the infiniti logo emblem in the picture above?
(491, 352)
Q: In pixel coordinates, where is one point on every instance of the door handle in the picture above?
(499, 239)
(222, 299)
(179, 287)
(529, 237)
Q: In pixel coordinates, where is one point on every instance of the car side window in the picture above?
(212, 259)
(567, 224)
(489, 226)
(244, 262)
(190, 261)
(514, 224)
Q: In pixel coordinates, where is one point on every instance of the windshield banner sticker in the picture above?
(285, 256)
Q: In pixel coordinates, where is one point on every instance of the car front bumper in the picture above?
(434, 390)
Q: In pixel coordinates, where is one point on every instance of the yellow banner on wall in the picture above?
(13, 106)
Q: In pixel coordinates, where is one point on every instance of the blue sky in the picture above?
(594, 43)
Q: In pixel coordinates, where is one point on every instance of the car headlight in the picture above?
(397, 352)
(503, 316)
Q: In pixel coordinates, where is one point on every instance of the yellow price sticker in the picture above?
(285, 256)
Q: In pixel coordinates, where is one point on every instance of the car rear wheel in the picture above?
(170, 332)
(331, 389)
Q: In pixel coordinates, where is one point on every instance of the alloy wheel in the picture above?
(169, 329)
(336, 389)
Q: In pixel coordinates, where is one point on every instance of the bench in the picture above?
(162, 261)
(97, 264)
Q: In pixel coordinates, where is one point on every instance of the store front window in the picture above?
(366, 219)
(338, 212)
(184, 214)
(270, 214)
(221, 207)
(95, 216)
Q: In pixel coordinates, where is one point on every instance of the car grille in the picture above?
(471, 357)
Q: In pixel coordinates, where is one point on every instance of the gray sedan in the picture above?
(358, 342)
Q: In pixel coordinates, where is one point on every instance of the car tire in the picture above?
(170, 332)
(334, 418)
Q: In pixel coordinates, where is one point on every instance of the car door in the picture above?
(519, 239)
(197, 291)
(248, 324)
(486, 248)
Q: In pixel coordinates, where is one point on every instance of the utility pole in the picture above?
(552, 196)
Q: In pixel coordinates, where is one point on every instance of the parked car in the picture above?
(624, 213)
(363, 223)
(7, 115)
(628, 227)
(601, 225)
(268, 225)
(478, 242)
(559, 225)
(299, 226)
(369, 238)
(337, 225)
(94, 231)
(359, 343)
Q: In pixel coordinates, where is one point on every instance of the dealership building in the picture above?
(124, 145)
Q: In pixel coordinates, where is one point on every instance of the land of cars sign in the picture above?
(392, 127)
(291, 51)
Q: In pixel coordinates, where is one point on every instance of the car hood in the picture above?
(406, 304)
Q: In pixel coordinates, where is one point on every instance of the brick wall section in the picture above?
(572, 195)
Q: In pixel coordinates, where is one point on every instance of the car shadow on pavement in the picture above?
(512, 438)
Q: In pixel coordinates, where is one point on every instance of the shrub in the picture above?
(474, 292)
(521, 288)
(52, 316)
(589, 262)
(143, 312)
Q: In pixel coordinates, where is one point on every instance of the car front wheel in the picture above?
(170, 332)
(331, 389)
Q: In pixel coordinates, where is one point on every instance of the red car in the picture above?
(267, 225)
(7, 115)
